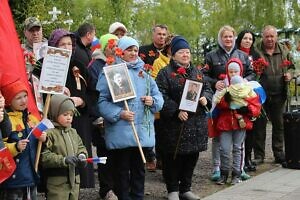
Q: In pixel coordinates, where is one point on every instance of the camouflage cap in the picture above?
(32, 22)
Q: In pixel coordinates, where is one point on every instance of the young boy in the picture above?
(22, 184)
(237, 104)
(63, 151)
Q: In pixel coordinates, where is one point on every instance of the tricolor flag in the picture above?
(42, 126)
(95, 44)
(97, 160)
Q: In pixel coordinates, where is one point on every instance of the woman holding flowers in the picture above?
(129, 176)
(190, 129)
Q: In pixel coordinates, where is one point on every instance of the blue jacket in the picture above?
(25, 174)
(118, 132)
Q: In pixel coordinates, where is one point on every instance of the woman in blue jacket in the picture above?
(119, 138)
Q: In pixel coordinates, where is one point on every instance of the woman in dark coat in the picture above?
(76, 85)
(190, 127)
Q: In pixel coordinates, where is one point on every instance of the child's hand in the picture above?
(203, 101)
(43, 137)
(183, 116)
(127, 115)
(21, 145)
(148, 100)
(220, 85)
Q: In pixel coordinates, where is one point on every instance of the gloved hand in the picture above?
(227, 97)
(82, 163)
(243, 110)
(71, 160)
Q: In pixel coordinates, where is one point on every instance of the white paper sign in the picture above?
(54, 70)
(40, 49)
(190, 96)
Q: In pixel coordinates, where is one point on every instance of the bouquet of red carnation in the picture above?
(259, 66)
(285, 65)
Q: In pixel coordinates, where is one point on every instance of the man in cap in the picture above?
(33, 32)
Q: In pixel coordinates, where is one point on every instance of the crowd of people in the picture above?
(171, 139)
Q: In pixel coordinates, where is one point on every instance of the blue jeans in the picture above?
(232, 140)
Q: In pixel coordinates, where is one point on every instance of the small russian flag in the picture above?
(95, 44)
(42, 126)
(97, 160)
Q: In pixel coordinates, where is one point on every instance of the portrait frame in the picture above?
(191, 95)
(123, 91)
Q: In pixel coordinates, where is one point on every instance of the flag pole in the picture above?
(136, 135)
(39, 147)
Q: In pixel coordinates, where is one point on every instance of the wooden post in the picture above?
(39, 147)
(136, 135)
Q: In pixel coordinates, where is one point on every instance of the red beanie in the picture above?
(11, 86)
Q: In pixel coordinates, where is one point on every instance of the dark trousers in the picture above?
(178, 173)
(129, 176)
(250, 139)
(105, 171)
(274, 107)
(18, 193)
(83, 126)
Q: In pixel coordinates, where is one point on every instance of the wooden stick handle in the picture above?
(178, 141)
(136, 135)
(39, 147)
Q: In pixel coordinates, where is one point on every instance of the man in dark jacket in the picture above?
(149, 53)
(84, 37)
(274, 80)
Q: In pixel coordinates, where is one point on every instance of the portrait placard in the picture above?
(54, 70)
(190, 96)
(119, 82)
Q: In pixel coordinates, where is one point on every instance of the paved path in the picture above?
(278, 183)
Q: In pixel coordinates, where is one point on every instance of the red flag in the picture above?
(11, 56)
(7, 164)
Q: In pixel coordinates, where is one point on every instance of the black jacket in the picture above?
(217, 60)
(148, 53)
(194, 135)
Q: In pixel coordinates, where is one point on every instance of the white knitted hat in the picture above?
(116, 25)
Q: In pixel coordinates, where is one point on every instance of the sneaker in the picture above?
(215, 176)
(189, 196)
(173, 196)
(235, 180)
(222, 180)
(151, 166)
(245, 176)
(110, 195)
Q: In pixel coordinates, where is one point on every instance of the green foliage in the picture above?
(194, 19)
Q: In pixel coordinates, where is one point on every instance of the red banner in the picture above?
(7, 164)
(11, 54)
